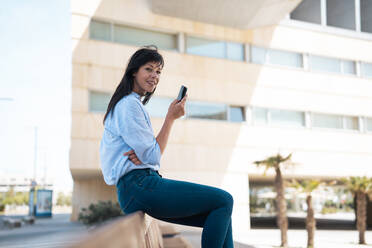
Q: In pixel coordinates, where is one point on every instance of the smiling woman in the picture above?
(130, 158)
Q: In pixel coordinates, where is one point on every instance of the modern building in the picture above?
(270, 76)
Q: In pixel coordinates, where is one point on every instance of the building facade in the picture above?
(263, 77)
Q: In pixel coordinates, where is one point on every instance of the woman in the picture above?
(130, 158)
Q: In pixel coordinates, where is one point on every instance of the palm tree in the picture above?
(275, 162)
(308, 186)
(361, 187)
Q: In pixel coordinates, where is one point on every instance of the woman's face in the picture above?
(146, 78)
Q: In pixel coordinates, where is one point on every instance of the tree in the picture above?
(63, 200)
(276, 162)
(361, 187)
(308, 186)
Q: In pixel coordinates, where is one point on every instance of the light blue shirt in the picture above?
(127, 128)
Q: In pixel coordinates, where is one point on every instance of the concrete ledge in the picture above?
(134, 230)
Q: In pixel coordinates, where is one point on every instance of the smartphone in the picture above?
(182, 93)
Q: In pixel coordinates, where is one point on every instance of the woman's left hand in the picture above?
(133, 157)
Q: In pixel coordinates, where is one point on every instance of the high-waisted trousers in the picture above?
(179, 202)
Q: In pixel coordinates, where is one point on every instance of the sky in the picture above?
(35, 89)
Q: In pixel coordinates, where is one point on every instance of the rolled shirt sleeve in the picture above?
(137, 132)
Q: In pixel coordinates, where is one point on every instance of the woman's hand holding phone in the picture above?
(176, 109)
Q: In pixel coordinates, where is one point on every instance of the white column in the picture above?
(323, 12)
(357, 16)
(181, 42)
(237, 184)
(247, 53)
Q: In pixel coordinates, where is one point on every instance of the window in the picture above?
(287, 118)
(326, 121)
(351, 123)
(261, 55)
(276, 57)
(335, 121)
(307, 11)
(258, 55)
(366, 15)
(202, 110)
(204, 47)
(158, 106)
(100, 30)
(236, 114)
(141, 37)
(368, 124)
(260, 115)
(348, 67)
(341, 13)
(324, 64)
(214, 48)
(235, 51)
(366, 70)
(98, 101)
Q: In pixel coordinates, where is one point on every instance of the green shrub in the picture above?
(99, 212)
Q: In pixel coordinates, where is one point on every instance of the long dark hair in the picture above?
(139, 58)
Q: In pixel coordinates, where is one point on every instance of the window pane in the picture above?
(307, 11)
(284, 58)
(351, 123)
(287, 118)
(348, 67)
(236, 114)
(100, 30)
(258, 55)
(204, 47)
(366, 70)
(98, 101)
(260, 115)
(235, 51)
(366, 15)
(158, 106)
(324, 64)
(140, 37)
(327, 121)
(203, 110)
(341, 13)
(369, 124)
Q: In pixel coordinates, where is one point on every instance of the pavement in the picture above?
(58, 231)
(55, 232)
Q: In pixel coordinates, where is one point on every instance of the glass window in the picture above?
(369, 124)
(140, 37)
(366, 15)
(158, 106)
(287, 118)
(341, 13)
(326, 121)
(100, 30)
(235, 51)
(204, 47)
(284, 58)
(258, 55)
(366, 70)
(236, 114)
(351, 122)
(307, 11)
(260, 116)
(98, 101)
(318, 63)
(202, 110)
(348, 67)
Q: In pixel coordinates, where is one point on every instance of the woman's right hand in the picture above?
(177, 109)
